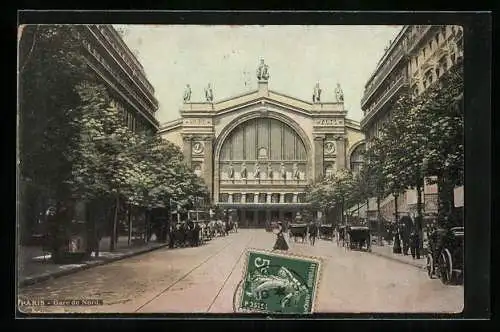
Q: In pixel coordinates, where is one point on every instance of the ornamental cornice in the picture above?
(319, 137)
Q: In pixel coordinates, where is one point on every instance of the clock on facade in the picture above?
(330, 147)
(198, 147)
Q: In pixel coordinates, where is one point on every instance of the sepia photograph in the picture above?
(240, 169)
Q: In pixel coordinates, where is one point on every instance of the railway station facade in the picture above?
(258, 151)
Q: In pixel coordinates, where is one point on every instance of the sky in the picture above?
(298, 57)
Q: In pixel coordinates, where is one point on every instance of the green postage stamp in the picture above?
(279, 283)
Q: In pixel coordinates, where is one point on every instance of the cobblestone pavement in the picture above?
(204, 279)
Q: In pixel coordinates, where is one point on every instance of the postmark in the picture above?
(278, 283)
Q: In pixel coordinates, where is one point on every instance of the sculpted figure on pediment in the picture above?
(187, 94)
(263, 71)
(339, 94)
(317, 94)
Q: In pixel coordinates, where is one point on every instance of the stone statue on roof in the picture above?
(339, 94)
(317, 93)
(209, 93)
(187, 94)
(262, 71)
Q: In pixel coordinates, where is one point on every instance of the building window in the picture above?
(236, 198)
(356, 161)
(262, 198)
(223, 197)
(250, 198)
(288, 198)
(275, 198)
(301, 198)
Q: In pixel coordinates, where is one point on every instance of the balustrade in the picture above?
(388, 65)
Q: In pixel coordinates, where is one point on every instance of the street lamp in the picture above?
(423, 168)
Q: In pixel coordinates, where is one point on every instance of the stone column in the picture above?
(282, 198)
(208, 168)
(318, 156)
(186, 148)
(230, 197)
(243, 197)
(295, 197)
(341, 162)
(268, 198)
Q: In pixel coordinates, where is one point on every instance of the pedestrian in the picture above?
(96, 238)
(196, 234)
(397, 243)
(171, 238)
(313, 231)
(280, 239)
(390, 234)
(405, 233)
(415, 244)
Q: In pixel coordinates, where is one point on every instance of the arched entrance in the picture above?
(262, 166)
(355, 156)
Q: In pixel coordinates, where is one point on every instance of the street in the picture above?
(203, 280)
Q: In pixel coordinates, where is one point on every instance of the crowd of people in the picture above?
(191, 234)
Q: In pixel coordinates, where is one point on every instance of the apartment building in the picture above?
(419, 56)
(124, 76)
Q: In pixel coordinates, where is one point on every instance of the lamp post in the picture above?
(419, 222)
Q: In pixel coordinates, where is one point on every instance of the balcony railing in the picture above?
(384, 71)
(398, 84)
(417, 35)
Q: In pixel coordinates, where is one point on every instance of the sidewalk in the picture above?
(386, 252)
(34, 266)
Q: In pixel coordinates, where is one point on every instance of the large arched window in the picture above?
(357, 161)
(263, 149)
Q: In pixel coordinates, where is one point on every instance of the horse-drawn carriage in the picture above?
(358, 237)
(446, 257)
(298, 230)
(326, 232)
(185, 234)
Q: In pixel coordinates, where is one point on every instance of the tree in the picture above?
(50, 66)
(331, 191)
(423, 138)
(146, 171)
(74, 143)
(49, 69)
(442, 118)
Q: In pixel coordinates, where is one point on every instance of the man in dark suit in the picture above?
(313, 231)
